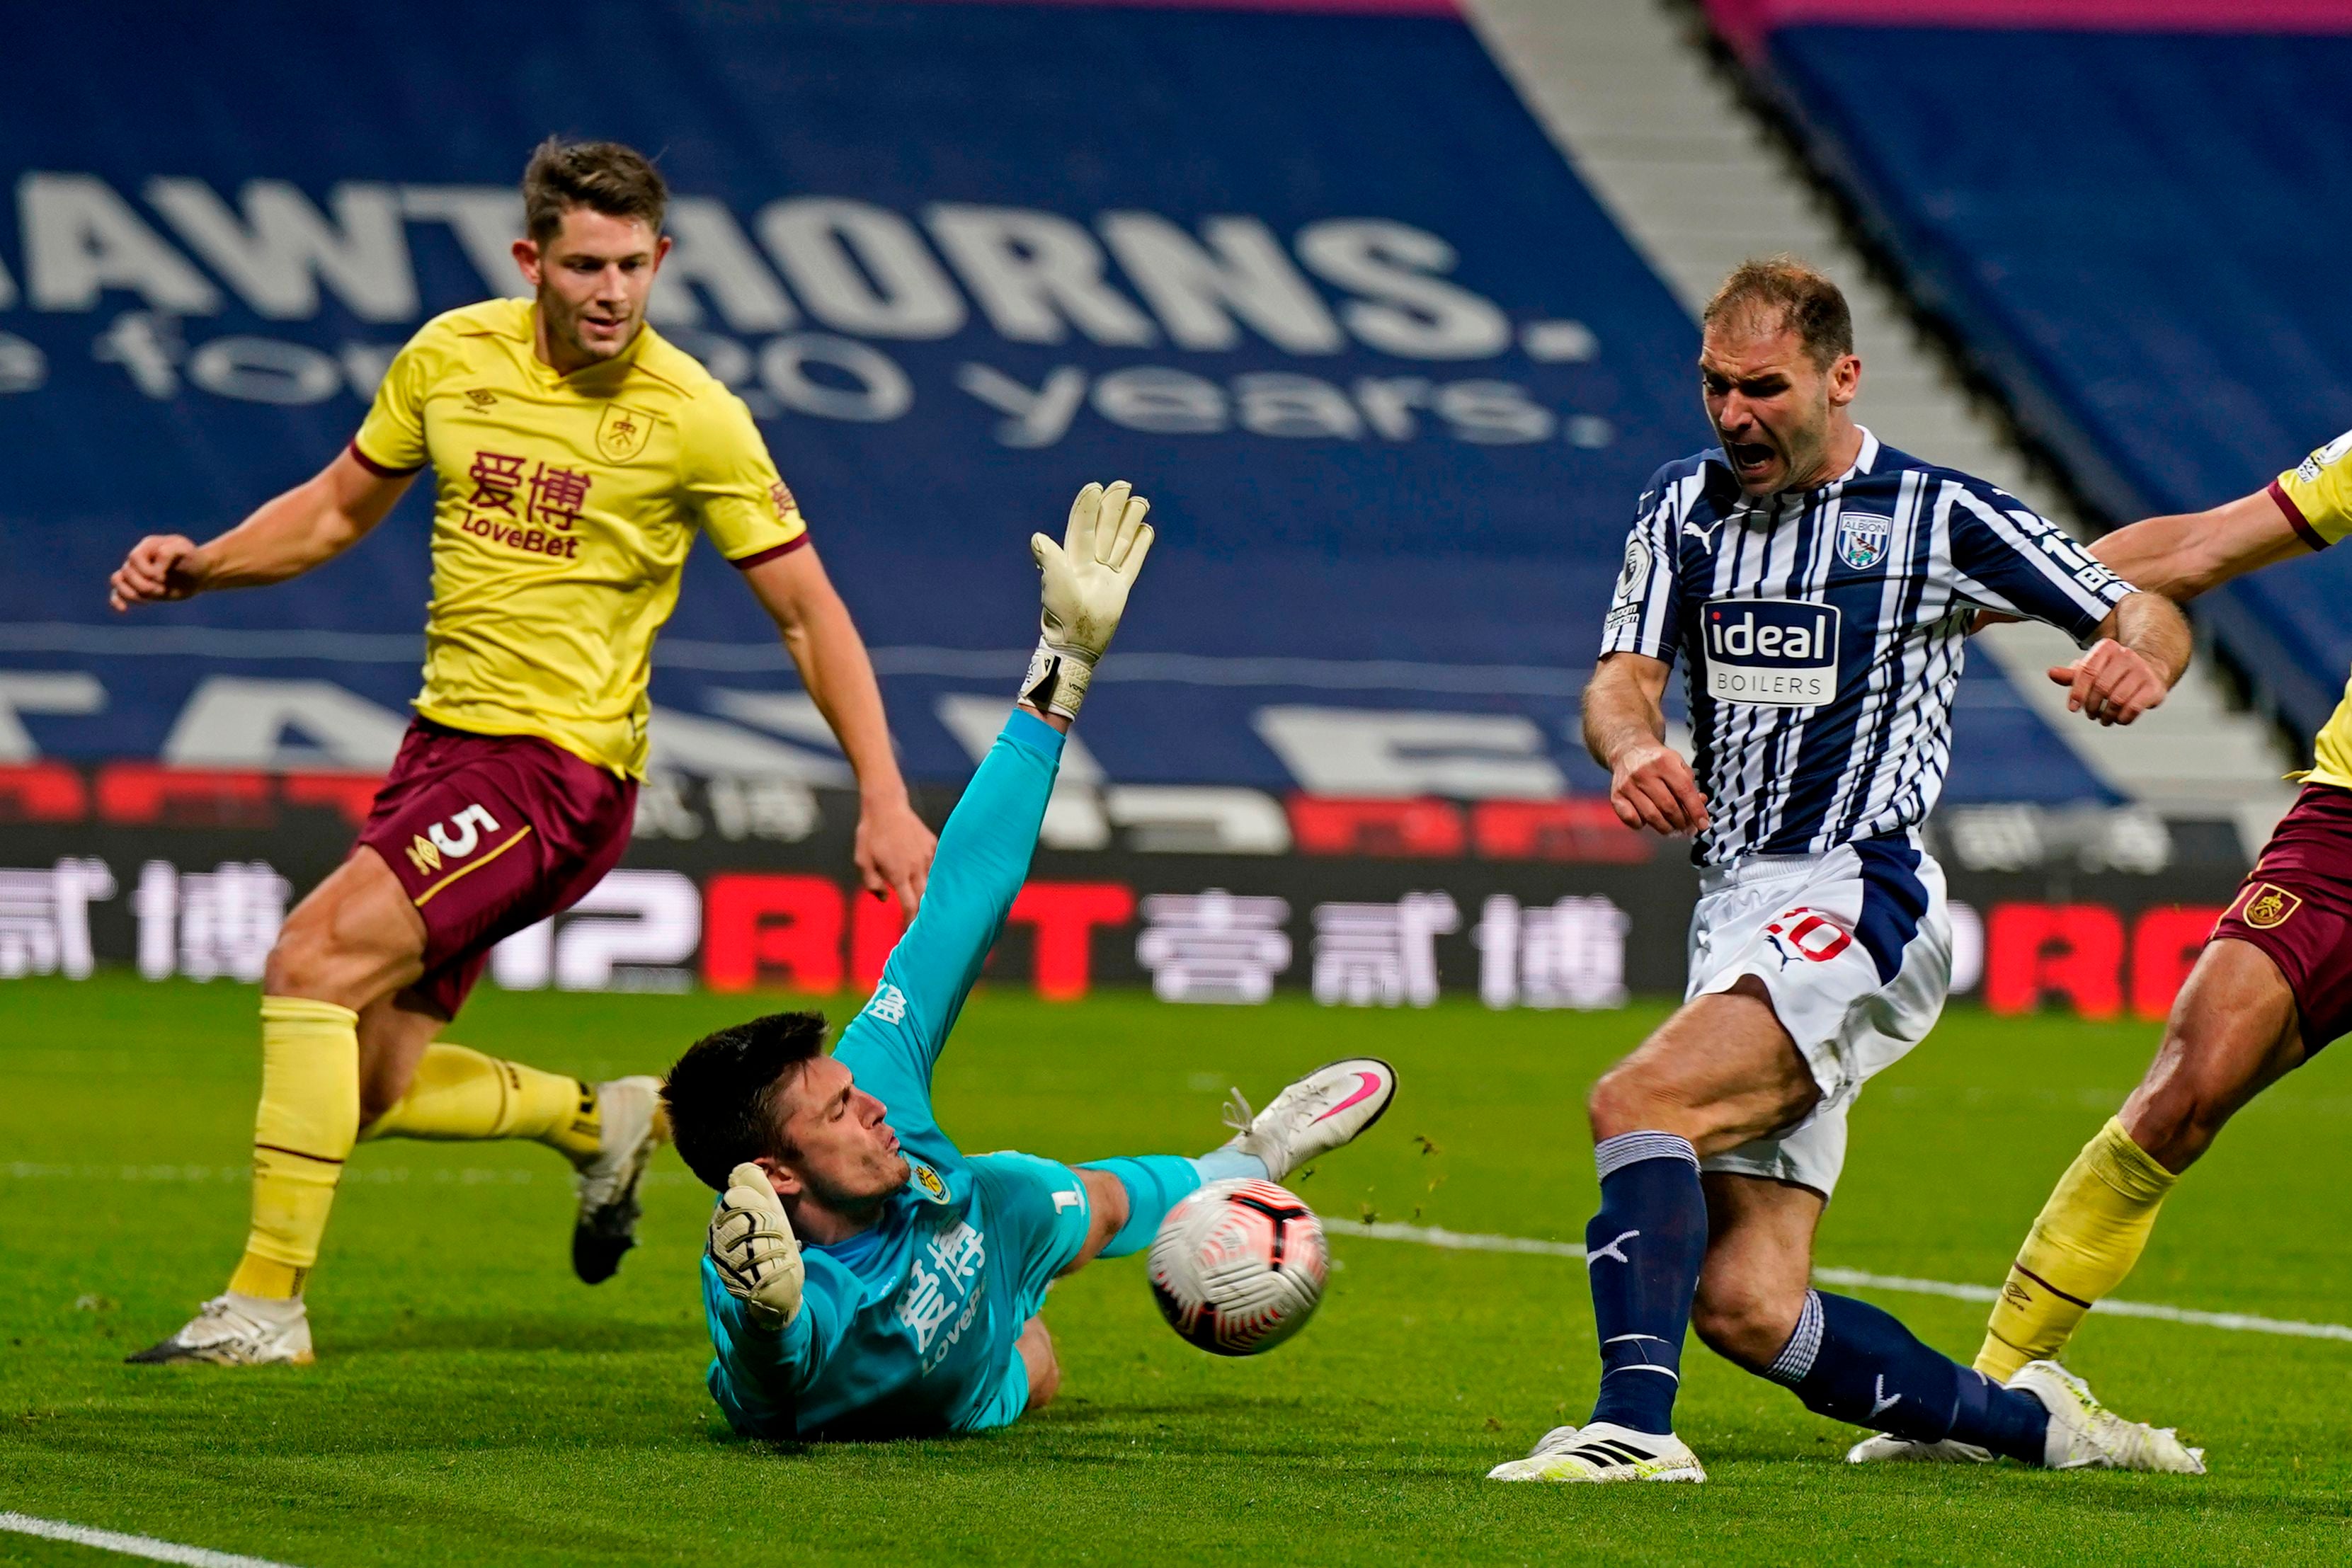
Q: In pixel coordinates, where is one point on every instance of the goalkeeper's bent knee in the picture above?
(2085, 1240)
(1154, 1184)
(303, 1132)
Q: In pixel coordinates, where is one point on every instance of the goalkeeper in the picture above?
(864, 1278)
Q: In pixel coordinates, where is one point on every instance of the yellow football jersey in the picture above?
(565, 508)
(2316, 496)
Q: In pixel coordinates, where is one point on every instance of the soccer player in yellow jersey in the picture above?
(576, 453)
(2271, 990)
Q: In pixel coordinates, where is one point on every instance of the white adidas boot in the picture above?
(231, 1330)
(633, 1128)
(1328, 1107)
(1603, 1451)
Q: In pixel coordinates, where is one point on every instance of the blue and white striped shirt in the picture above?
(1825, 631)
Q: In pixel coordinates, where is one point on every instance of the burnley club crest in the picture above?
(622, 433)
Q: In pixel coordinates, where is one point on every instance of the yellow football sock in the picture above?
(303, 1131)
(459, 1093)
(2085, 1240)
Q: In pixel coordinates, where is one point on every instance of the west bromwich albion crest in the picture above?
(1862, 538)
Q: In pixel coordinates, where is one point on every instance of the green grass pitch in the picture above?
(473, 1404)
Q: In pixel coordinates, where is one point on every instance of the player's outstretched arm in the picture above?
(1650, 785)
(2142, 651)
(307, 527)
(990, 837)
(2182, 556)
(893, 849)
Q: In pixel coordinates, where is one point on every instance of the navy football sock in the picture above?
(1641, 1253)
(1851, 1362)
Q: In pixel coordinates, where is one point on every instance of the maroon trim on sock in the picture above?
(2050, 1288)
(298, 1154)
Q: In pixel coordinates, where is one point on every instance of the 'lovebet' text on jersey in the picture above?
(1825, 629)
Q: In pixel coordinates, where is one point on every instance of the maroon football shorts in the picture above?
(490, 833)
(2297, 907)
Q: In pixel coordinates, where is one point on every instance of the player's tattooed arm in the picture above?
(1650, 785)
(307, 527)
(2143, 649)
(894, 848)
(2182, 556)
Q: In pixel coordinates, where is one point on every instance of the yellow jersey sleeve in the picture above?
(391, 441)
(732, 487)
(2316, 493)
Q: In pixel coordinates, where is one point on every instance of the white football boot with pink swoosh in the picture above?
(1327, 1108)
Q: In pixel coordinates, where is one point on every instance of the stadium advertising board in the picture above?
(1367, 902)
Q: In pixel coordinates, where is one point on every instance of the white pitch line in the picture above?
(129, 1545)
(1467, 1241)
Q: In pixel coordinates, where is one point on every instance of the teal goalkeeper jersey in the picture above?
(908, 1327)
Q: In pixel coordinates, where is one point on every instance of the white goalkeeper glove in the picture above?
(751, 1245)
(1087, 579)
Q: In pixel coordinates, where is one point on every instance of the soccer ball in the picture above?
(1238, 1267)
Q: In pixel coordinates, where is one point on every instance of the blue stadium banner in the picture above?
(1390, 374)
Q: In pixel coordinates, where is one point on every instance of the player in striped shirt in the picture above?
(1821, 585)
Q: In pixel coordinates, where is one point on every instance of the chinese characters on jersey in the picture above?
(535, 512)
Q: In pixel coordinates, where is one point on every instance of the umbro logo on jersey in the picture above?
(480, 397)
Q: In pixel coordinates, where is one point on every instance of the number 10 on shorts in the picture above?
(1811, 934)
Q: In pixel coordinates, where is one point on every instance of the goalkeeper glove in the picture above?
(751, 1245)
(1086, 578)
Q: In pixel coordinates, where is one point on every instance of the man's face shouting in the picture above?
(1775, 411)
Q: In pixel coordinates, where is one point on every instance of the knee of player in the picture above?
(1045, 1368)
(1626, 1100)
(1045, 1382)
(2175, 1118)
(1744, 1322)
(301, 962)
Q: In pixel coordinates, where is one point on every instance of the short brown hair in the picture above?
(603, 176)
(1799, 293)
(721, 1094)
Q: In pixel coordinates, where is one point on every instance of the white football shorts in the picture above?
(1855, 948)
